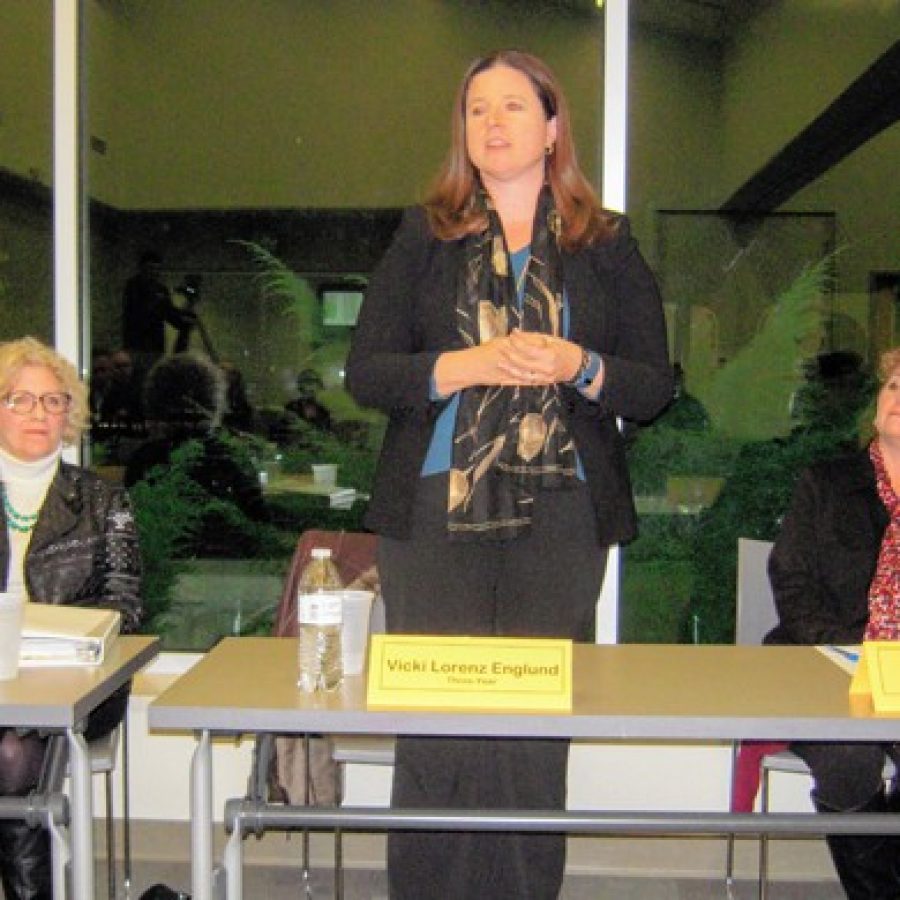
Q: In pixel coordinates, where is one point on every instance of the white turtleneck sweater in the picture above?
(25, 486)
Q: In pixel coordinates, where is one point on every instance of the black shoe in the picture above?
(162, 892)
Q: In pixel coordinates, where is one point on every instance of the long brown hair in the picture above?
(452, 210)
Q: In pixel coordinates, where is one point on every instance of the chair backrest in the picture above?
(756, 613)
(353, 554)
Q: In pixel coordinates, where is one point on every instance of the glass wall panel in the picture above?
(26, 232)
(765, 199)
(262, 152)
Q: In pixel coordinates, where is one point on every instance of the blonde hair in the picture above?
(889, 363)
(28, 351)
(452, 210)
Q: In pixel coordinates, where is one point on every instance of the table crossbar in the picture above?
(249, 817)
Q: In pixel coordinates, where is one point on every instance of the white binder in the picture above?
(56, 635)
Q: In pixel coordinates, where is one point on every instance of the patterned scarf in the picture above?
(884, 592)
(509, 441)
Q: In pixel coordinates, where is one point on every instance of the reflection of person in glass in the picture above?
(146, 309)
(509, 324)
(305, 405)
(184, 399)
(238, 414)
(835, 573)
(69, 538)
(121, 407)
(190, 318)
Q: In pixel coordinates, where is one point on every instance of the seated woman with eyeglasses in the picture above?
(69, 538)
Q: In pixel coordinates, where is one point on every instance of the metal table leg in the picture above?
(307, 798)
(126, 813)
(338, 835)
(234, 864)
(201, 819)
(82, 818)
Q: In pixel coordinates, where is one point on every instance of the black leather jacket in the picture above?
(84, 548)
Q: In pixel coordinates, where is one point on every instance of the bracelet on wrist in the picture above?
(577, 380)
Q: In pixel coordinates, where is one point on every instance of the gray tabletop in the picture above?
(628, 692)
(61, 697)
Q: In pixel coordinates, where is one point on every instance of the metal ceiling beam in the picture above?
(867, 107)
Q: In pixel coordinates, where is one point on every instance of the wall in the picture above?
(26, 279)
(25, 120)
(789, 63)
(293, 104)
(296, 104)
(676, 139)
(792, 61)
(25, 89)
(704, 119)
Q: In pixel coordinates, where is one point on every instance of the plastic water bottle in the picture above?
(319, 622)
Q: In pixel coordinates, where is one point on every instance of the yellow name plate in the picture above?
(877, 679)
(470, 673)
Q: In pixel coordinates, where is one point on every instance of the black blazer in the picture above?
(409, 318)
(824, 559)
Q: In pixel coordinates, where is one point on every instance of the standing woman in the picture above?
(509, 324)
(68, 537)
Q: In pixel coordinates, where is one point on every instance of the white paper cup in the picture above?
(11, 606)
(324, 473)
(357, 607)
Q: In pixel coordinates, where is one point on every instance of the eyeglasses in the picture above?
(55, 403)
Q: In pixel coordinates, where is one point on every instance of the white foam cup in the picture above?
(324, 473)
(357, 607)
(11, 606)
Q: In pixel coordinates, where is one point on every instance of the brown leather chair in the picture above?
(308, 770)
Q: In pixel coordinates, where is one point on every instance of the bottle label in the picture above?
(321, 608)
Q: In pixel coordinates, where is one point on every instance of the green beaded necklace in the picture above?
(16, 520)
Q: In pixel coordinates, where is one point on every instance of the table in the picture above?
(628, 692)
(338, 497)
(60, 699)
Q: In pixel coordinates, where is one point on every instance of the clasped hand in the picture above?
(529, 358)
(519, 359)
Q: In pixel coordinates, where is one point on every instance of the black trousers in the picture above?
(848, 778)
(845, 776)
(544, 584)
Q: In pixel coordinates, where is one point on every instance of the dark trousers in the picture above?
(845, 776)
(544, 584)
(849, 778)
